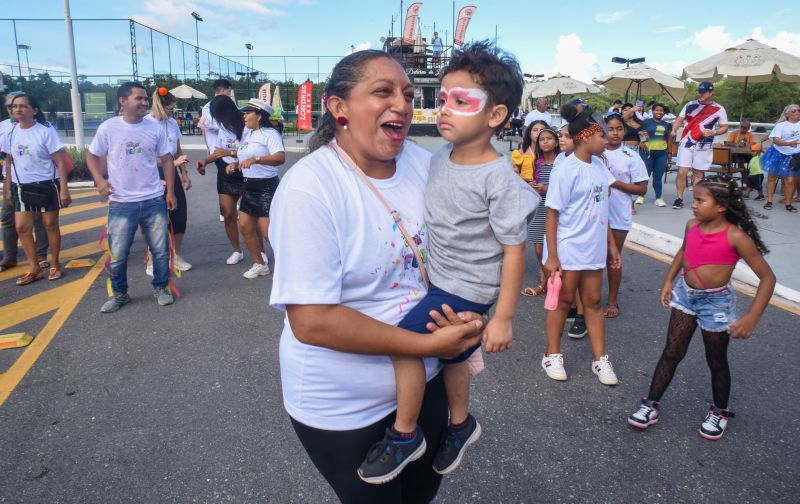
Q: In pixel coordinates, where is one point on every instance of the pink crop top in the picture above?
(708, 248)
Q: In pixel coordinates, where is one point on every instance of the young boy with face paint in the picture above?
(476, 211)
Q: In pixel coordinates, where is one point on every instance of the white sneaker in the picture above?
(148, 270)
(716, 422)
(256, 270)
(181, 264)
(264, 257)
(604, 371)
(640, 200)
(235, 258)
(660, 202)
(553, 365)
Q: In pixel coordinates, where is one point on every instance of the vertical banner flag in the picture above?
(412, 21)
(304, 106)
(263, 92)
(464, 17)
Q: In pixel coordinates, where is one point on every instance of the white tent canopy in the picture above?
(185, 92)
(645, 80)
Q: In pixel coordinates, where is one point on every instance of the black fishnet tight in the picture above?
(679, 335)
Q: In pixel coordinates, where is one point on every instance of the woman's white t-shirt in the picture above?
(226, 140)
(259, 143)
(335, 243)
(31, 149)
(788, 132)
(626, 166)
(173, 131)
(580, 192)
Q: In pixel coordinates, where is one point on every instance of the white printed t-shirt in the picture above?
(226, 140)
(335, 243)
(626, 166)
(132, 151)
(5, 127)
(209, 126)
(788, 132)
(31, 149)
(259, 143)
(173, 131)
(535, 115)
(580, 192)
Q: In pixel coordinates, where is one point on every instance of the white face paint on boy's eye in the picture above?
(463, 101)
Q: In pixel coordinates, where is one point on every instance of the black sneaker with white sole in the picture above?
(716, 422)
(578, 329)
(454, 443)
(572, 313)
(388, 457)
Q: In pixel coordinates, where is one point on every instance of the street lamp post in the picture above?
(627, 62)
(75, 97)
(26, 48)
(249, 48)
(197, 18)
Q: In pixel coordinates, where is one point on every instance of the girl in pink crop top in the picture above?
(721, 234)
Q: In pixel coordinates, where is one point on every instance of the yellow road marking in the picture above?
(81, 208)
(81, 195)
(65, 256)
(66, 302)
(743, 288)
(77, 227)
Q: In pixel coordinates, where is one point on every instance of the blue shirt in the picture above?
(657, 133)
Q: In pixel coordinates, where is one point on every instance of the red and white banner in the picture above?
(304, 106)
(464, 17)
(263, 92)
(412, 21)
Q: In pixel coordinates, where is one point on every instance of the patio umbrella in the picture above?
(557, 86)
(751, 61)
(643, 80)
(185, 92)
(276, 103)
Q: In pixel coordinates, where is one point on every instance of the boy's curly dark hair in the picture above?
(726, 192)
(495, 70)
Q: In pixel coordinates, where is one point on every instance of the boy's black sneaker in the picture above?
(389, 456)
(678, 204)
(578, 329)
(451, 451)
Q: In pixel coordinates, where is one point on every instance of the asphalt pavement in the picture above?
(183, 403)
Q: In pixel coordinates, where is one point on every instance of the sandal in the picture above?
(55, 274)
(44, 264)
(28, 278)
(611, 311)
(539, 290)
(768, 205)
(791, 208)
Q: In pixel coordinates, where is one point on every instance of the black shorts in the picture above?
(257, 196)
(55, 198)
(232, 185)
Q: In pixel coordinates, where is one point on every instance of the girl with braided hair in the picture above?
(721, 233)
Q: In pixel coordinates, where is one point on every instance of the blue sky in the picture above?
(577, 39)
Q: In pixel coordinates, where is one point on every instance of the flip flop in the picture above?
(539, 290)
(27, 278)
(44, 264)
(55, 274)
(611, 311)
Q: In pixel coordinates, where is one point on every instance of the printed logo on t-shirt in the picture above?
(407, 271)
(23, 150)
(132, 148)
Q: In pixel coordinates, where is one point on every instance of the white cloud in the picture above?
(573, 61)
(673, 28)
(611, 17)
(785, 41)
(711, 39)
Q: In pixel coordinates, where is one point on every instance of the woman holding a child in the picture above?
(356, 278)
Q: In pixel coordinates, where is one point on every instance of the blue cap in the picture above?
(578, 101)
(705, 87)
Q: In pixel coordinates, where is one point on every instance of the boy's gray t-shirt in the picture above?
(471, 211)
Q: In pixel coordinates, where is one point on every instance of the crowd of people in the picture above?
(387, 319)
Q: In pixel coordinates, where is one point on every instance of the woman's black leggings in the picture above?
(679, 334)
(337, 455)
(178, 216)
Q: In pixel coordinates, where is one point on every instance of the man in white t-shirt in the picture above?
(705, 119)
(128, 148)
(540, 113)
(9, 230)
(207, 123)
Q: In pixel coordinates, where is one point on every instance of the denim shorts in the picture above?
(715, 309)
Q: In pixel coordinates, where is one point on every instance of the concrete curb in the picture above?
(668, 245)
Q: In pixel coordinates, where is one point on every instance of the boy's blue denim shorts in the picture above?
(715, 309)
